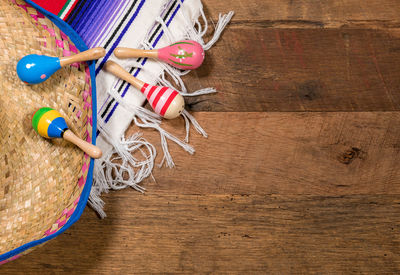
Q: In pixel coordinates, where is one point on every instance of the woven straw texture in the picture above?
(41, 180)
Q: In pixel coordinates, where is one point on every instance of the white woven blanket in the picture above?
(141, 24)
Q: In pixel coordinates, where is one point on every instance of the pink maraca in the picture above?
(185, 55)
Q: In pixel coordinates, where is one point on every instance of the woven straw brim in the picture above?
(41, 180)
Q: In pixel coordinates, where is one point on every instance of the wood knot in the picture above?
(310, 90)
(350, 155)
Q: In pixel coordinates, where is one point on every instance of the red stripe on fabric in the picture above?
(166, 105)
(54, 6)
(70, 10)
(152, 89)
(144, 87)
(160, 93)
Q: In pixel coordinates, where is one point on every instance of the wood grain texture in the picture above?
(302, 56)
(282, 192)
(320, 12)
(268, 69)
(300, 173)
(286, 153)
(196, 234)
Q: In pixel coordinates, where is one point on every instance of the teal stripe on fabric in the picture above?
(64, 8)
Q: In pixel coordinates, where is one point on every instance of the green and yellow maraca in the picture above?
(49, 123)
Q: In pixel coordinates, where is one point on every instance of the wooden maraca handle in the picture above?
(92, 54)
(133, 53)
(120, 72)
(90, 149)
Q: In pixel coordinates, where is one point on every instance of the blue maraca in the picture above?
(34, 69)
(49, 123)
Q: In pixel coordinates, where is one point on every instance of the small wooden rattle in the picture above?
(185, 55)
(165, 101)
(34, 69)
(49, 123)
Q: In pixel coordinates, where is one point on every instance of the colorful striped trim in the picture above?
(67, 9)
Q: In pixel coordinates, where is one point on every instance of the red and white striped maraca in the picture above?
(165, 101)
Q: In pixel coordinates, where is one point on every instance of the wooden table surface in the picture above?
(300, 173)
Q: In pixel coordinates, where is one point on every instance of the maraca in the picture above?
(49, 123)
(185, 55)
(165, 101)
(34, 69)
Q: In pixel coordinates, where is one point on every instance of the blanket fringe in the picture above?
(132, 159)
(121, 168)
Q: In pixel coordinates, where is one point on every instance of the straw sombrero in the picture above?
(44, 184)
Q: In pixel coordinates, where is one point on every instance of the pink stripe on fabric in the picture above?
(37, 16)
(77, 200)
(81, 182)
(70, 212)
(88, 139)
(87, 79)
(61, 224)
(63, 35)
(87, 106)
(52, 32)
(76, 65)
(85, 95)
(73, 49)
(84, 168)
(60, 43)
(10, 259)
(66, 53)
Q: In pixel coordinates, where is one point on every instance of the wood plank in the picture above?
(266, 69)
(227, 234)
(327, 12)
(267, 192)
(284, 153)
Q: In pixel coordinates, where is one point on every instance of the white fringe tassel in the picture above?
(132, 159)
(120, 168)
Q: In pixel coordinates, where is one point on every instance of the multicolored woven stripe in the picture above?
(92, 19)
(61, 8)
